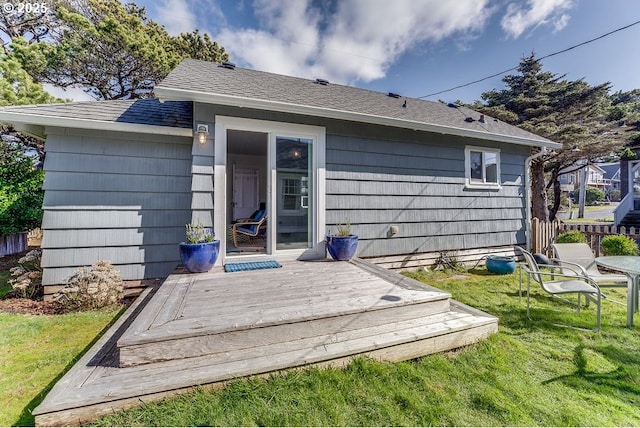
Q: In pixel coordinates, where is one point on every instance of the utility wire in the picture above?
(541, 58)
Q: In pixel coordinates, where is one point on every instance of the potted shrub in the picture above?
(201, 250)
(342, 245)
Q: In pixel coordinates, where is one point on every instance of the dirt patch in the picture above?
(7, 262)
(30, 307)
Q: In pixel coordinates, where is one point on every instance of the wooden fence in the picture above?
(13, 244)
(544, 233)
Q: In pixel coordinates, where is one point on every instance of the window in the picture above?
(482, 167)
(294, 196)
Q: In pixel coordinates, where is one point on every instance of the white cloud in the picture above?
(520, 18)
(71, 93)
(358, 40)
(176, 16)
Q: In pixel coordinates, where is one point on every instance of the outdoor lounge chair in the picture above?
(581, 257)
(253, 229)
(561, 283)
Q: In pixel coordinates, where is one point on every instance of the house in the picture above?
(603, 176)
(414, 178)
(611, 175)
(571, 177)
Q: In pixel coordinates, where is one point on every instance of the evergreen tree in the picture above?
(572, 113)
(113, 50)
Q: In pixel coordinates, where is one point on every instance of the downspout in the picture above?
(527, 194)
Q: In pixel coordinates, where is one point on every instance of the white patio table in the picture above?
(630, 266)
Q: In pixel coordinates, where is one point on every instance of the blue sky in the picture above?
(416, 47)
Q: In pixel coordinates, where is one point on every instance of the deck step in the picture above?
(631, 219)
(160, 345)
(188, 322)
(207, 329)
(395, 342)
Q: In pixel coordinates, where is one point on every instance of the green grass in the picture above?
(530, 373)
(588, 220)
(35, 351)
(5, 288)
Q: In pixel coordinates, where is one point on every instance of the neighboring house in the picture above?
(571, 177)
(611, 175)
(123, 177)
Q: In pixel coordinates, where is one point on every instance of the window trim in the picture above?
(473, 184)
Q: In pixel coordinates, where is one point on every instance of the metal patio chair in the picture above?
(560, 284)
(581, 257)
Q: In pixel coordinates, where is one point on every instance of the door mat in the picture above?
(237, 267)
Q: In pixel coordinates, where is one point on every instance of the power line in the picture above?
(541, 58)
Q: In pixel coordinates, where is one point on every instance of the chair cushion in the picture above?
(248, 230)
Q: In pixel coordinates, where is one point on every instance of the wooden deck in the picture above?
(208, 328)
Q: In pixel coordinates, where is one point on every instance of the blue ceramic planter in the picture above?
(198, 258)
(342, 247)
(500, 264)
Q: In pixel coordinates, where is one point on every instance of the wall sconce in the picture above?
(203, 132)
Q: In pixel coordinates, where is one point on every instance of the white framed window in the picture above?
(482, 167)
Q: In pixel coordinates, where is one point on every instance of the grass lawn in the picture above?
(530, 373)
(35, 351)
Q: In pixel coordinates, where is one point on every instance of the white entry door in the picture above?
(245, 192)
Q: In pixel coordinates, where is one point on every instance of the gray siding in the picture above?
(415, 181)
(114, 196)
(381, 176)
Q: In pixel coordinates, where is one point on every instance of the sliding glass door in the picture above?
(293, 199)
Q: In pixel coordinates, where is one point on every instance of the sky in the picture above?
(417, 47)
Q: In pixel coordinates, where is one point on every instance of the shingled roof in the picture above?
(214, 83)
(145, 114)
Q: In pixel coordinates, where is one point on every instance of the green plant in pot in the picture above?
(201, 250)
(342, 245)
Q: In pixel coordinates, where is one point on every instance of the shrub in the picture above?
(27, 281)
(614, 195)
(593, 195)
(619, 245)
(571, 237)
(98, 287)
(20, 190)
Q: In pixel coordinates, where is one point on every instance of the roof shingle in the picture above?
(176, 114)
(193, 76)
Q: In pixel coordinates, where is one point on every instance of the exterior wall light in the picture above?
(203, 132)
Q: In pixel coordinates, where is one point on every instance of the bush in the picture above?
(614, 195)
(593, 195)
(20, 190)
(571, 237)
(619, 245)
(87, 289)
(27, 282)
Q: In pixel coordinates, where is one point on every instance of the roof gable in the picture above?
(212, 83)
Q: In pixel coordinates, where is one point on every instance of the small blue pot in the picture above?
(500, 264)
(198, 258)
(342, 247)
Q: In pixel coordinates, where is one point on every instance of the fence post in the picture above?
(535, 226)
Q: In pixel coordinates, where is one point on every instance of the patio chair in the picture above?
(560, 284)
(580, 256)
(255, 228)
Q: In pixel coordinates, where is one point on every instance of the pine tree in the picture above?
(572, 113)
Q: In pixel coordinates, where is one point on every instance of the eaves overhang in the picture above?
(173, 94)
(35, 124)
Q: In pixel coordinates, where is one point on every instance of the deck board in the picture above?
(320, 313)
